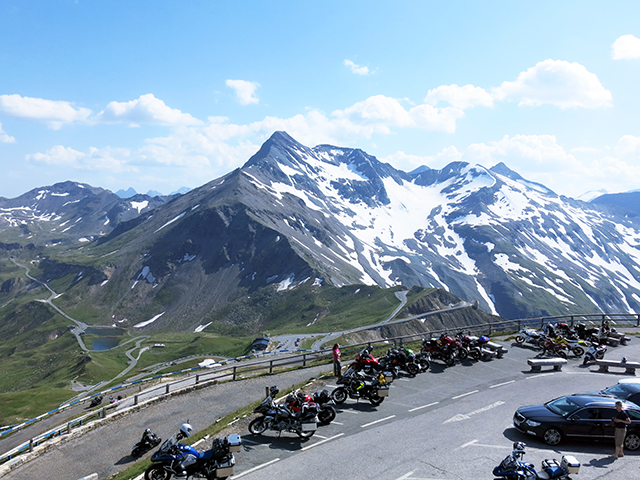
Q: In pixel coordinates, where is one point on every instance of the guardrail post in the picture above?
(270, 367)
(304, 359)
(135, 399)
(167, 389)
(31, 445)
(197, 379)
(69, 427)
(234, 373)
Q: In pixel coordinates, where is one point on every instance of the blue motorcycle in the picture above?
(513, 468)
(184, 461)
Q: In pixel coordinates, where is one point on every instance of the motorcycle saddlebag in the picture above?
(383, 392)
(552, 468)
(234, 443)
(308, 426)
(570, 464)
(225, 469)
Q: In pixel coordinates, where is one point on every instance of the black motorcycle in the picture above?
(401, 359)
(216, 463)
(95, 401)
(148, 441)
(357, 385)
(279, 417)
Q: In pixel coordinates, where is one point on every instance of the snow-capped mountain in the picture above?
(296, 215)
(70, 212)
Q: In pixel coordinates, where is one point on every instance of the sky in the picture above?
(158, 95)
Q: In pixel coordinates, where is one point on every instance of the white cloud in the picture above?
(628, 145)
(109, 159)
(385, 112)
(627, 47)
(408, 162)
(245, 91)
(145, 110)
(53, 112)
(357, 69)
(5, 137)
(556, 82)
(460, 97)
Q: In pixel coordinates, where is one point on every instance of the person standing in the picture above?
(337, 366)
(620, 421)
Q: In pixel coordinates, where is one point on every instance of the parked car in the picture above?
(629, 391)
(577, 417)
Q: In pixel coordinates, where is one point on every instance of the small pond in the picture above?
(109, 337)
(105, 343)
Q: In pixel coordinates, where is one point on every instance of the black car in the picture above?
(621, 391)
(577, 417)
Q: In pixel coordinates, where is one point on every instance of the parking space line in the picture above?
(251, 470)
(321, 442)
(377, 421)
(337, 423)
(464, 394)
(424, 406)
(350, 411)
(502, 384)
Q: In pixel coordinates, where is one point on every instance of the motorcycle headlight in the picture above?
(531, 423)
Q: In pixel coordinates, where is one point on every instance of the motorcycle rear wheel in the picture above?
(339, 395)
(257, 426)
(376, 399)
(326, 415)
(463, 353)
(424, 364)
(156, 472)
(520, 339)
(413, 369)
(562, 354)
(302, 434)
(449, 361)
(578, 351)
(474, 354)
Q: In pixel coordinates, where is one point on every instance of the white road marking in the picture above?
(404, 379)
(321, 442)
(541, 375)
(377, 421)
(424, 406)
(257, 468)
(244, 440)
(464, 394)
(350, 411)
(337, 423)
(502, 384)
(319, 436)
(475, 443)
(462, 416)
(468, 443)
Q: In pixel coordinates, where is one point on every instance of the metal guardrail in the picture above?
(238, 371)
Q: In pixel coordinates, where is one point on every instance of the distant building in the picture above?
(260, 344)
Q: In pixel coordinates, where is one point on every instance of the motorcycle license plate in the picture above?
(383, 392)
(309, 427)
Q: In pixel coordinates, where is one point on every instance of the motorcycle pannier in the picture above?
(552, 468)
(570, 464)
(383, 392)
(309, 427)
(234, 443)
(225, 470)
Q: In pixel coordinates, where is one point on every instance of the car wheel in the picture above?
(632, 441)
(552, 436)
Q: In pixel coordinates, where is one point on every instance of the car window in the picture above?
(563, 406)
(586, 414)
(633, 414)
(618, 391)
(607, 413)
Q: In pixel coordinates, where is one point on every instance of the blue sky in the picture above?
(164, 94)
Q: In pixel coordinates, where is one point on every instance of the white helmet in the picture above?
(186, 429)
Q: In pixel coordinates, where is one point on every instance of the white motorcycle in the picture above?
(529, 335)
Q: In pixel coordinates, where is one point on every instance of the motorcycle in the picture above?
(148, 441)
(357, 385)
(95, 401)
(278, 417)
(595, 352)
(554, 348)
(323, 400)
(174, 458)
(513, 468)
(401, 359)
(366, 362)
(575, 346)
(435, 350)
(529, 335)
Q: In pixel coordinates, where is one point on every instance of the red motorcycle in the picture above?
(435, 349)
(322, 400)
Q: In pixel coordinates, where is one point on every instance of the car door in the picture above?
(607, 414)
(584, 423)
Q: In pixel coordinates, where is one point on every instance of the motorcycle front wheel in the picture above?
(413, 369)
(339, 395)
(424, 364)
(520, 339)
(257, 426)
(326, 415)
(474, 354)
(449, 360)
(578, 351)
(156, 472)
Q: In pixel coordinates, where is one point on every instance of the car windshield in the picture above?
(563, 406)
(618, 391)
